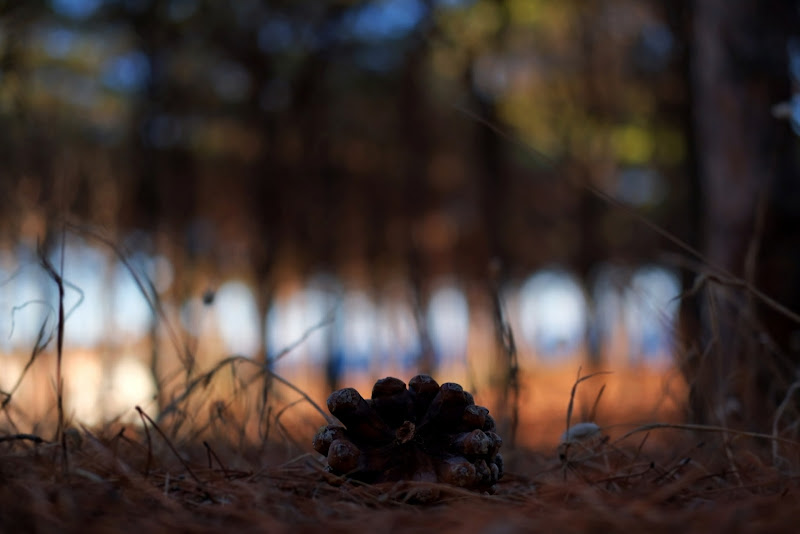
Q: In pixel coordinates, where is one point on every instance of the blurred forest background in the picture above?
(276, 166)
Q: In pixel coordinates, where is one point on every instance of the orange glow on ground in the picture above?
(632, 395)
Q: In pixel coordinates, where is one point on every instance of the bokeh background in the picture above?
(244, 177)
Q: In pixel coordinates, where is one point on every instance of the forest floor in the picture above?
(651, 477)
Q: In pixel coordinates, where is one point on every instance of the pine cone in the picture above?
(425, 432)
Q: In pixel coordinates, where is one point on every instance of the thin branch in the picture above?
(212, 454)
(149, 460)
(59, 280)
(205, 378)
(779, 414)
(325, 321)
(705, 428)
(171, 447)
(23, 437)
(146, 288)
(575, 388)
(38, 347)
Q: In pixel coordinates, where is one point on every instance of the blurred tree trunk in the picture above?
(739, 367)
(591, 251)
(495, 256)
(415, 133)
(145, 211)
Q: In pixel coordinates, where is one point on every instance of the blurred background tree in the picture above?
(744, 350)
(262, 139)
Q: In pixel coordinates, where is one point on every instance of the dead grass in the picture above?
(658, 477)
(115, 481)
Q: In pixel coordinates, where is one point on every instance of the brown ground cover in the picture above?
(634, 476)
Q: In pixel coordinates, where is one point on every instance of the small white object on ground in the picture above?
(581, 432)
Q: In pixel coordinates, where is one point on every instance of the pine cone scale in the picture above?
(421, 432)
